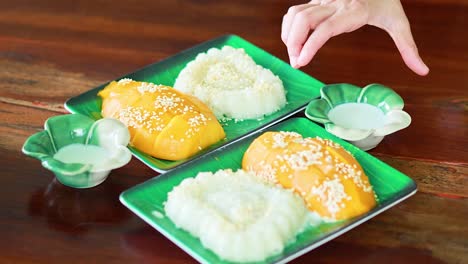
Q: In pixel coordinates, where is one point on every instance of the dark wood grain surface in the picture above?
(53, 50)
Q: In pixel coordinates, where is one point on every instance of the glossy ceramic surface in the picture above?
(109, 136)
(300, 89)
(376, 96)
(147, 199)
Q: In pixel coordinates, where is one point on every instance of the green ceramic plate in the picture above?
(300, 87)
(390, 185)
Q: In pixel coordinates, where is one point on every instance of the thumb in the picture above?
(404, 41)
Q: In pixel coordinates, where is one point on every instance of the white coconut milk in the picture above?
(84, 154)
(357, 115)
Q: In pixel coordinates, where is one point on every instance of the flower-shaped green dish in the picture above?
(362, 116)
(79, 150)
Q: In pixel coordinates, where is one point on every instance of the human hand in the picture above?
(328, 18)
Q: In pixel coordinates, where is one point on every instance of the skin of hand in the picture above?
(329, 18)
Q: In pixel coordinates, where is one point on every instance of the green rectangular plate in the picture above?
(300, 88)
(390, 185)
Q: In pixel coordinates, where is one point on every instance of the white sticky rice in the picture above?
(232, 84)
(236, 215)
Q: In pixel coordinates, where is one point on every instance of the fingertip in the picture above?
(424, 70)
(284, 34)
(293, 61)
(420, 69)
(283, 38)
(304, 59)
(417, 65)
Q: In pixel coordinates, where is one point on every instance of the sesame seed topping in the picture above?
(267, 173)
(303, 159)
(149, 87)
(124, 81)
(351, 172)
(331, 192)
(167, 102)
(278, 141)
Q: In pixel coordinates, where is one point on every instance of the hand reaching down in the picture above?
(328, 18)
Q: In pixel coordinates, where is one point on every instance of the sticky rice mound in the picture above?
(232, 84)
(236, 215)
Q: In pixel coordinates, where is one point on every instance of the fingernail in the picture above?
(293, 61)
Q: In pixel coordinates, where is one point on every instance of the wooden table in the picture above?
(53, 50)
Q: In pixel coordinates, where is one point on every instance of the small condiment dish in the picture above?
(361, 116)
(79, 150)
